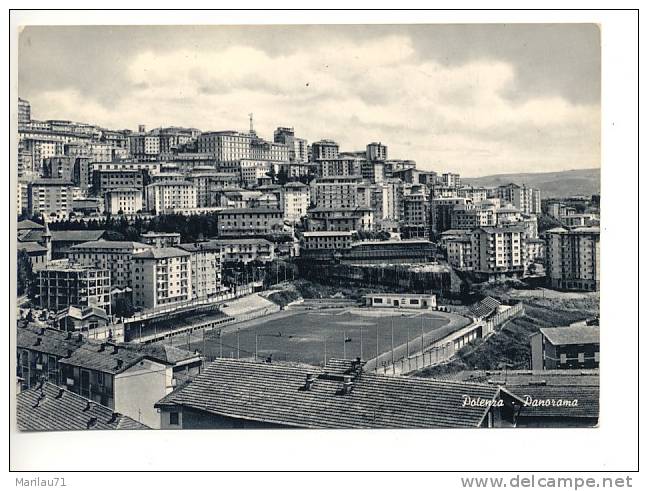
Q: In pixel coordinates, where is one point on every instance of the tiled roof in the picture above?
(49, 341)
(199, 246)
(51, 408)
(484, 307)
(102, 357)
(275, 393)
(571, 335)
(238, 241)
(31, 247)
(76, 235)
(562, 377)
(29, 225)
(161, 253)
(111, 244)
(164, 352)
(240, 211)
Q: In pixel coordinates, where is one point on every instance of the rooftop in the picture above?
(571, 335)
(28, 225)
(241, 211)
(104, 357)
(51, 408)
(275, 393)
(161, 253)
(112, 244)
(76, 235)
(45, 340)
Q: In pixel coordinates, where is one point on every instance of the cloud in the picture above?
(454, 117)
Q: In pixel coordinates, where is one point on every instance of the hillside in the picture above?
(551, 184)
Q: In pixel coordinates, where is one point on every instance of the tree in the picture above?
(25, 276)
(123, 307)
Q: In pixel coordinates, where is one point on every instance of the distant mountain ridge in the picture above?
(551, 184)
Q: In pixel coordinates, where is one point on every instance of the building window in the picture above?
(174, 418)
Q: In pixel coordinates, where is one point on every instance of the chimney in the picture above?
(68, 335)
(115, 350)
(120, 363)
(310, 380)
(69, 353)
(87, 407)
(80, 337)
(102, 347)
(38, 341)
(113, 417)
(60, 394)
(91, 422)
(347, 384)
(42, 331)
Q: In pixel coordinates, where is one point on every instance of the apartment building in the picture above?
(50, 197)
(205, 262)
(245, 250)
(335, 192)
(451, 180)
(295, 199)
(161, 239)
(164, 197)
(115, 256)
(161, 277)
(459, 252)
(572, 347)
(324, 149)
(441, 213)
(107, 180)
(326, 240)
(498, 252)
(573, 258)
(250, 221)
(376, 151)
(61, 285)
(526, 200)
(123, 201)
(340, 219)
(230, 146)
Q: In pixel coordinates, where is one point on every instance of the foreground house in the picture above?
(565, 347)
(246, 394)
(47, 407)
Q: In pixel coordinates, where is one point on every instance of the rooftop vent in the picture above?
(87, 406)
(92, 422)
(38, 341)
(113, 417)
(102, 347)
(310, 380)
(115, 350)
(60, 394)
(42, 331)
(347, 385)
(120, 363)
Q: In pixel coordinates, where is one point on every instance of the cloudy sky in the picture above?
(475, 99)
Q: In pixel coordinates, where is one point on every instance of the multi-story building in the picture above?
(459, 250)
(441, 213)
(324, 149)
(294, 202)
(451, 180)
(297, 147)
(326, 240)
(161, 239)
(340, 166)
(526, 200)
(106, 180)
(116, 256)
(39, 351)
(498, 252)
(245, 250)
(63, 285)
(572, 347)
(24, 111)
(162, 197)
(123, 200)
(335, 192)
(474, 194)
(376, 151)
(124, 379)
(205, 268)
(416, 212)
(50, 197)
(340, 219)
(161, 277)
(573, 258)
(469, 216)
(250, 221)
(387, 200)
(232, 146)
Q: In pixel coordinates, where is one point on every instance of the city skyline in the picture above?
(473, 99)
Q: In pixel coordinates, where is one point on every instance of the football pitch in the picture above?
(309, 337)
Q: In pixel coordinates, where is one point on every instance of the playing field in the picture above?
(308, 336)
